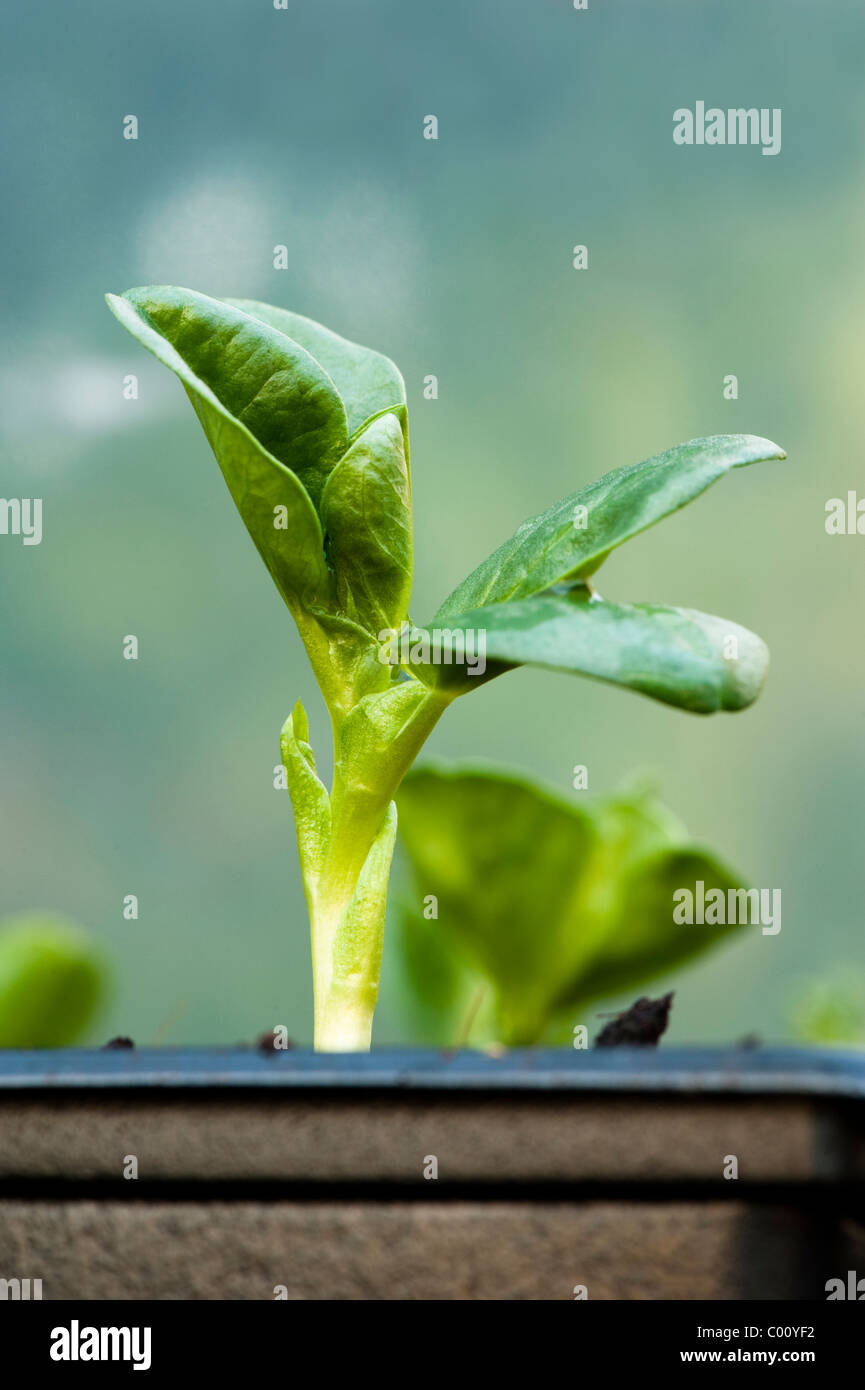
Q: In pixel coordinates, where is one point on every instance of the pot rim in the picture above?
(788, 1071)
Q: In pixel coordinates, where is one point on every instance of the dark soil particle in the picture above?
(268, 1043)
(639, 1026)
(118, 1043)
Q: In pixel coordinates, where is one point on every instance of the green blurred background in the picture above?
(304, 127)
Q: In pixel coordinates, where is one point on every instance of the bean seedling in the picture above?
(311, 434)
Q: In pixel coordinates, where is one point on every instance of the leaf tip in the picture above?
(747, 676)
(760, 450)
(300, 723)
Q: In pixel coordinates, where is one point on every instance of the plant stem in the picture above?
(346, 1030)
(347, 895)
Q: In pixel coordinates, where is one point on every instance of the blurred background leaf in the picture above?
(550, 904)
(53, 978)
(831, 1009)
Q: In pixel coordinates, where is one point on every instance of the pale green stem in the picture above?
(348, 896)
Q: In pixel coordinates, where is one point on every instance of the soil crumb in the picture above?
(268, 1042)
(639, 1026)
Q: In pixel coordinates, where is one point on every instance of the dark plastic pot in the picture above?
(630, 1173)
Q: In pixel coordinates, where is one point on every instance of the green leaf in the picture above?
(552, 903)
(366, 512)
(640, 940)
(561, 544)
(429, 982)
(52, 978)
(367, 381)
(261, 379)
(675, 655)
(495, 853)
(192, 334)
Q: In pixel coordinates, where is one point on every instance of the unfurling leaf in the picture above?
(309, 798)
(366, 512)
(246, 370)
(367, 381)
(185, 332)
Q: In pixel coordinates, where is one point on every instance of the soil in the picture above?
(267, 1043)
(642, 1025)
(639, 1026)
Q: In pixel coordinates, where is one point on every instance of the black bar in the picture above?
(231, 1339)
